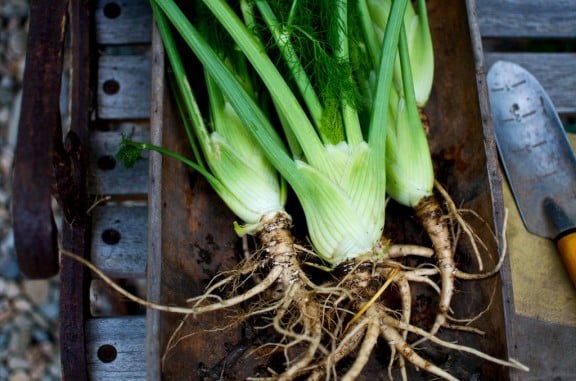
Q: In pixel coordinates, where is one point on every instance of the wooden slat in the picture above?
(155, 231)
(115, 347)
(123, 22)
(131, 74)
(527, 18)
(110, 177)
(127, 257)
(556, 72)
(125, 336)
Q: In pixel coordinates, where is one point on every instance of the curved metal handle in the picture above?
(39, 131)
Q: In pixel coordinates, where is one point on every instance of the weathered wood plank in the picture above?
(115, 348)
(155, 224)
(107, 176)
(527, 18)
(186, 254)
(123, 22)
(124, 86)
(556, 72)
(119, 240)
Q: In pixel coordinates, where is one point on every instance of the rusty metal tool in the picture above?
(52, 164)
(536, 155)
(34, 227)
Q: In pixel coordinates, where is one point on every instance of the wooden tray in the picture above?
(191, 236)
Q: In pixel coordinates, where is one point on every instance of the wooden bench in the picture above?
(119, 241)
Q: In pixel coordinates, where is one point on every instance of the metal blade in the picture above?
(534, 150)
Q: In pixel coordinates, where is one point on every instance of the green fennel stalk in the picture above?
(341, 186)
(225, 154)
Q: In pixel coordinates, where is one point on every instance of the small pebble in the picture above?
(38, 370)
(14, 8)
(11, 270)
(18, 363)
(4, 340)
(19, 342)
(40, 335)
(12, 290)
(7, 83)
(17, 43)
(47, 349)
(4, 113)
(40, 320)
(21, 304)
(5, 97)
(22, 322)
(50, 311)
(19, 375)
(54, 370)
(37, 291)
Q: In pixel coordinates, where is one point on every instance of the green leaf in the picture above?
(129, 152)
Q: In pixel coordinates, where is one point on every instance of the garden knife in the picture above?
(536, 156)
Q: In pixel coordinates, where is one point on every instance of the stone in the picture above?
(55, 370)
(22, 305)
(40, 335)
(11, 270)
(4, 340)
(4, 373)
(17, 43)
(40, 320)
(4, 112)
(18, 363)
(12, 290)
(19, 340)
(37, 291)
(22, 322)
(50, 311)
(19, 375)
(38, 369)
(14, 8)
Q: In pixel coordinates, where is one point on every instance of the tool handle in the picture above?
(567, 247)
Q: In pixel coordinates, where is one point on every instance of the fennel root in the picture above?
(284, 296)
(319, 326)
(435, 223)
(377, 318)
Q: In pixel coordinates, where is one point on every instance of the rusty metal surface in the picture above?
(73, 308)
(74, 198)
(34, 228)
(48, 164)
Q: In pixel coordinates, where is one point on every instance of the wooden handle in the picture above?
(567, 248)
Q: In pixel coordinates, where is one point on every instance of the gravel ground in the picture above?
(28, 308)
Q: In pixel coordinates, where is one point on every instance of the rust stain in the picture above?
(191, 218)
(455, 154)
